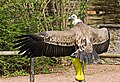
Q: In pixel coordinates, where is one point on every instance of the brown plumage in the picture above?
(80, 41)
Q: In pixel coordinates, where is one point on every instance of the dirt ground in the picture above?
(93, 73)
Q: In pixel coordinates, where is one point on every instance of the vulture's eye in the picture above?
(73, 16)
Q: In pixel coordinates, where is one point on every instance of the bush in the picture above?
(10, 65)
(16, 65)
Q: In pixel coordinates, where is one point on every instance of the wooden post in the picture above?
(9, 53)
(32, 70)
(109, 55)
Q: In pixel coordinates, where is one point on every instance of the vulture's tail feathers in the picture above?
(83, 56)
(90, 59)
(95, 55)
(90, 56)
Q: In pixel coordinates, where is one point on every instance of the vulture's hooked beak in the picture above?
(69, 19)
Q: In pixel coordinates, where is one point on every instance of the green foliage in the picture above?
(82, 6)
(45, 64)
(11, 65)
(16, 65)
(17, 17)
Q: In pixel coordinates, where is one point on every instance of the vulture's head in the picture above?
(74, 19)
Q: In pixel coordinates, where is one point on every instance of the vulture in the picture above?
(81, 42)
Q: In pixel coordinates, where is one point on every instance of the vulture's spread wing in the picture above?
(49, 43)
(81, 41)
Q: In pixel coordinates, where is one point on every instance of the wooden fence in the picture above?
(103, 12)
(104, 55)
(13, 53)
